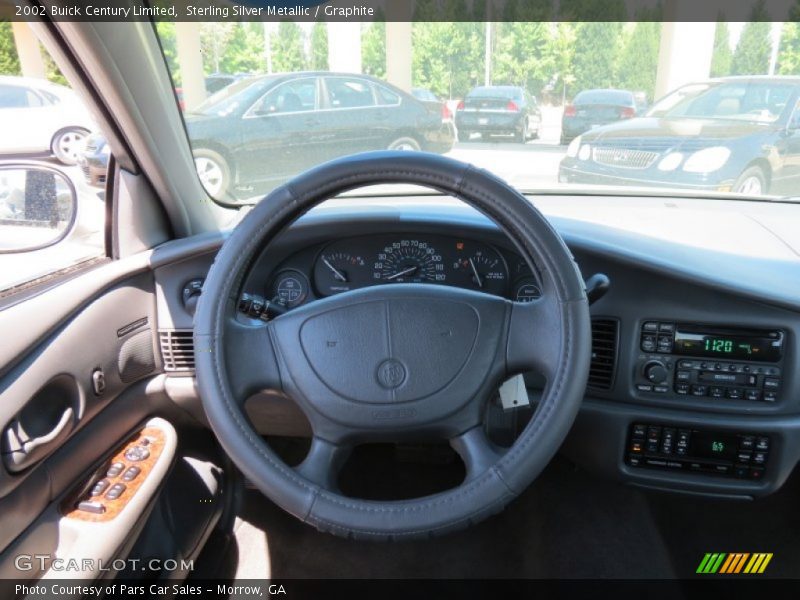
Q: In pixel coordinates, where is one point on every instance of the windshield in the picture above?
(756, 101)
(604, 97)
(691, 109)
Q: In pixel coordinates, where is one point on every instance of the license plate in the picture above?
(483, 121)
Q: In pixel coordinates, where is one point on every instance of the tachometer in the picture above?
(409, 261)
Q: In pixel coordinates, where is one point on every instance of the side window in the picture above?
(349, 93)
(290, 97)
(16, 96)
(387, 97)
(52, 205)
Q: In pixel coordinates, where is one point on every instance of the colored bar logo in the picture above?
(734, 563)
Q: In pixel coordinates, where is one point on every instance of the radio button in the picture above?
(734, 393)
(760, 458)
(644, 387)
(756, 473)
(771, 383)
(762, 444)
(686, 364)
(666, 327)
(683, 376)
(744, 457)
(661, 389)
(699, 390)
(716, 392)
(770, 396)
(665, 344)
(682, 388)
(752, 395)
(639, 430)
(648, 343)
(650, 326)
(741, 471)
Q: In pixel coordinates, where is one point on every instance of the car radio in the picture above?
(675, 448)
(704, 361)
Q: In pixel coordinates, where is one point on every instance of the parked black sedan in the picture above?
(592, 108)
(260, 131)
(739, 134)
(494, 110)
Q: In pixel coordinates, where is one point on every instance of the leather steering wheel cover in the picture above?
(446, 511)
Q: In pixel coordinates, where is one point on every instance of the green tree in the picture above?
(638, 61)
(244, 52)
(373, 48)
(722, 57)
(214, 39)
(523, 55)
(447, 56)
(319, 46)
(752, 53)
(789, 53)
(287, 48)
(597, 47)
(169, 45)
(9, 60)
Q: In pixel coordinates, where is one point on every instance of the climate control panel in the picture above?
(686, 449)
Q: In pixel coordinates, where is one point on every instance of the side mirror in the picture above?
(38, 206)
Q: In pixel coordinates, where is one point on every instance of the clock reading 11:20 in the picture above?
(720, 345)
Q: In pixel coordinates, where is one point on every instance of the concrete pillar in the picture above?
(344, 47)
(190, 60)
(684, 55)
(398, 43)
(30, 55)
(398, 54)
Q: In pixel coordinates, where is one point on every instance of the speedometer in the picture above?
(409, 261)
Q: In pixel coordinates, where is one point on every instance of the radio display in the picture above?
(759, 346)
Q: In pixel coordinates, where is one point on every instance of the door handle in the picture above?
(20, 450)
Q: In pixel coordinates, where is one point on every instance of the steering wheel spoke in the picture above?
(323, 462)
(476, 451)
(534, 337)
(250, 359)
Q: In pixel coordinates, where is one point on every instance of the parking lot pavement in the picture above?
(526, 166)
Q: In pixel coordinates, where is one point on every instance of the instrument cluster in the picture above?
(358, 262)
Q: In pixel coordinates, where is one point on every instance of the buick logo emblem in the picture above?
(391, 373)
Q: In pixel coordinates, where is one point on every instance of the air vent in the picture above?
(177, 348)
(604, 353)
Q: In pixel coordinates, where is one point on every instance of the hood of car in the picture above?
(651, 133)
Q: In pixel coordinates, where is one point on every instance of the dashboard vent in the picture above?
(177, 348)
(605, 333)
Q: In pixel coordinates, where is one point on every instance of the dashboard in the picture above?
(411, 257)
(695, 378)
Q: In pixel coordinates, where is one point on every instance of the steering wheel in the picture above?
(394, 362)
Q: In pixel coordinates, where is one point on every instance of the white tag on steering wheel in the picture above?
(513, 393)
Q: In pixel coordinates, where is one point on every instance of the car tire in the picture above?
(521, 136)
(463, 136)
(408, 144)
(752, 182)
(67, 144)
(213, 171)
